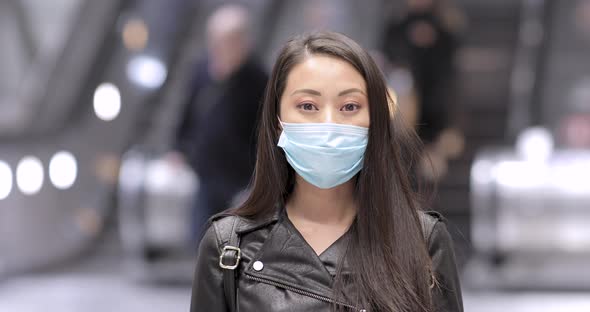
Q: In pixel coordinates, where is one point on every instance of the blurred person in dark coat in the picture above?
(216, 135)
(424, 42)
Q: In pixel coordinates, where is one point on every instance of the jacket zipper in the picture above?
(301, 291)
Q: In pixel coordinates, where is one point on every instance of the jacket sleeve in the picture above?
(446, 293)
(207, 293)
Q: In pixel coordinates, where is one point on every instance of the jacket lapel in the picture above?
(288, 259)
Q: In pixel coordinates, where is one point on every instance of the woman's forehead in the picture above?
(326, 72)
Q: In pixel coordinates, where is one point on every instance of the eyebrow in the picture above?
(351, 90)
(317, 93)
(308, 91)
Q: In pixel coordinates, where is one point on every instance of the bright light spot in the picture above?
(107, 101)
(535, 144)
(147, 71)
(520, 174)
(63, 170)
(5, 180)
(29, 175)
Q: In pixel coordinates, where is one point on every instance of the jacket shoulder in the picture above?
(446, 296)
(223, 224)
(428, 220)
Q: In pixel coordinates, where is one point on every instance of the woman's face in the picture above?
(325, 89)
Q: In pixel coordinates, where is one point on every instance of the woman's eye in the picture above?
(307, 106)
(350, 107)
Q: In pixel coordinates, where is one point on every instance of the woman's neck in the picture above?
(322, 206)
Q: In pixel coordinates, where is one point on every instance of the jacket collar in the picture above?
(288, 259)
(249, 225)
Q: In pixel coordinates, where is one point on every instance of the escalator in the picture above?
(81, 137)
(74, 91)
(530, 199)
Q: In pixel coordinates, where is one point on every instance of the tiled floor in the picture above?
(527, 302)
(88, 293)
(80, 292)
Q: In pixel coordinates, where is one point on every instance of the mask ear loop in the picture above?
(279, 129)
(280, 123)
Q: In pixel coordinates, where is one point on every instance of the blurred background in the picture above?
(125, 123)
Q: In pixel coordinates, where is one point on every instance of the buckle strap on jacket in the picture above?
(233, 254)
(229, 257)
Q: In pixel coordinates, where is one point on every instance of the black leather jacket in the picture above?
(280, 272)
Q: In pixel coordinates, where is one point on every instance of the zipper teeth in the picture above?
(299, 291)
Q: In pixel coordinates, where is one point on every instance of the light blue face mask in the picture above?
(324, 154)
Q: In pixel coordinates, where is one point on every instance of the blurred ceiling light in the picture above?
(5, 180)
(135, 34)
(535, 144)
(29, 175)
(107, 101)
(63, 170)
(147, 71)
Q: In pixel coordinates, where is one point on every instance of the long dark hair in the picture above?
(387, 251)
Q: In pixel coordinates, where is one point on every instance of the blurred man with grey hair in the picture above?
(216, 136)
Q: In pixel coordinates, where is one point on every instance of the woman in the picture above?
(331, 223)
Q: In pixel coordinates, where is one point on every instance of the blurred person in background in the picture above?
(420, 48)
(216, 134)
